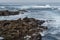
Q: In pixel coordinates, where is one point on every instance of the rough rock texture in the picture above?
(22, 29)
(7, 12)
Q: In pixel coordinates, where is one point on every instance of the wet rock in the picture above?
(7, 12)
(13, 12)
(40, 22)
(18, 29)
(23, 10)
(36, 37)
(6, 24)
(4, 12)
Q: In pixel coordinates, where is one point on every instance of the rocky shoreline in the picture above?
(22, 29)
(7, 12)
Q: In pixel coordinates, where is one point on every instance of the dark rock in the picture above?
(4, 12)
(6, 24)
(13, 12)
(23, 10)
(40, 22)
(36, 37)
(7, 12)
(18, 29)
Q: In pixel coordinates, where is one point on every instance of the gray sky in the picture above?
(19, 1)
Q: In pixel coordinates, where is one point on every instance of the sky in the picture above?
(24, 1)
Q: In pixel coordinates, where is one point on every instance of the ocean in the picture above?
(49, 13)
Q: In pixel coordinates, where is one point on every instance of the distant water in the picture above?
(48, 13)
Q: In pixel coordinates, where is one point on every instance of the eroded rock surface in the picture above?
(22, 29)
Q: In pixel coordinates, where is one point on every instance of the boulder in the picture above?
(19, 29)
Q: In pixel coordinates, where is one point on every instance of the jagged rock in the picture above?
(19, 29)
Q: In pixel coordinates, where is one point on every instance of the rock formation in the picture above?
(7, 12)
(22, 29)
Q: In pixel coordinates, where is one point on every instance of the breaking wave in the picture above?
(34, 7)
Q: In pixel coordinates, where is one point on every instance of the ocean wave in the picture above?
(34, 7)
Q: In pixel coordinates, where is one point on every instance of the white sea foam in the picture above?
(28, 7)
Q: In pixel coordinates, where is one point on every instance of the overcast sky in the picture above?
(19, 1)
